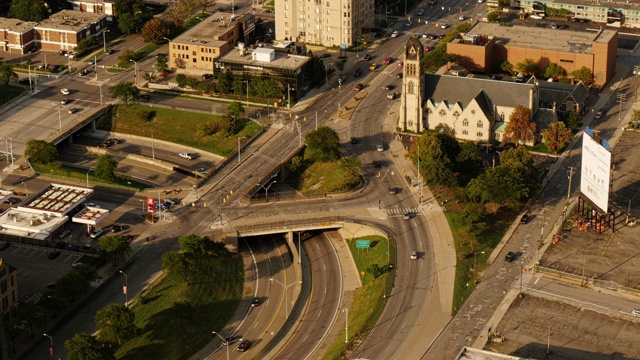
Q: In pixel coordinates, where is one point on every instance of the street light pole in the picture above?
(286, 302)
(346, 326)
(299, 249)
(242, 137)
(88, 176)
(135, 71)
(59, 116)
(126, 288)
(51, 344)
(266, 190)
(224, 342)
(104, 40)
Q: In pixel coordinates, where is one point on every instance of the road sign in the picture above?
(363, 244)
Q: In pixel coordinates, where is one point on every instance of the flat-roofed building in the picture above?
(195, 50)
(16, 36)
(486, 46)
(95, 6)
(270, 63)
(324, 22)
(613, 13)
(65, 29)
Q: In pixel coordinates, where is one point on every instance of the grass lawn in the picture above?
(368, 301)
(319, 178)
(175, 126)
(176, 320)
(10, 92)
(68, 173)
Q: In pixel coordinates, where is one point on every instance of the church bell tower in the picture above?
(412, 88)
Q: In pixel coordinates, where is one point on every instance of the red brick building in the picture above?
(486, 46)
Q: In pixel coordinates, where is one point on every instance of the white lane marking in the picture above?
(536, 282)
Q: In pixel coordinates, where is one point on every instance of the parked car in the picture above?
(420, 12)
(72, 54)
(64, 101)
(444, 26)
(325, 55)
(73, 110)
(400, 64)
(342, 79)
(461, 18)
(244, 345)
(379, 147)
(553, 26)
(63, 235)
(536, 17)
(13, 200)
(599, 114)
(116, 228)
(145, 97)
(65, 91)
(95, 233)
(510, 256)
(635, 311)
(393, 191)
(63, 52)
(357, 73)
(186, 155)
(376, 163)
(54, 255)
(110, 51)
(408, 24)
(207, 76)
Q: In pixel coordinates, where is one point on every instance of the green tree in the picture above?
(126, 56)
(468, 158)
(40, 151)
(434, 164)
(557, 136)
(86, 44)
(127, 23)
(195, 244)
(573, 120)
(154, 31)
(116, 323)
(506, 67)
(125, 91)
(86, 347)
(375, 270)
(114, 248)
(238, 86)
(296, 165)
(53, 301)
(106, 167)
(235, 109)
(13, 329)
(7, 73)
(162, 63)
(28, 10)
(181, 79)
(225, 80)
(73, 284)
(521, 128)
(180, 264)
(583, 74)
(32, 314)
(340, 65)
(554, 71)
(527, 67)
(493, 16)
(436, 58)
(323, 144)
(266, 88)
(474, 213)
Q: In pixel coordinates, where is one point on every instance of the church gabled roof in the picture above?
(464, 89)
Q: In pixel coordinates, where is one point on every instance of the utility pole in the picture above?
(636, 72)
(583, 282)
(572, 171)
(620, 98)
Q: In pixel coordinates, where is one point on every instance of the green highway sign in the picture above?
(363, 244)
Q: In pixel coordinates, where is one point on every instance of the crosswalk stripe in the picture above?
(404, 210)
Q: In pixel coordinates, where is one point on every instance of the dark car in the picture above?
(116, 228)
(62, 52)
(325, 55)
(73, 110)
(354, 140)
(84, 72)
(524, 219)
(389, 87)
(5, 245)
(393, 191)
(359, 87)
(357, 73)
(510, 256)
(367, 57)
(63, 234)
(376, 163)
(145, 97)
(110, 51)
(399, 76)
(54, 255)
(255, 302)
(13, 200)
(207, 76)
(244, 345)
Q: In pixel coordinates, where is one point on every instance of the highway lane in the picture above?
(324, 305)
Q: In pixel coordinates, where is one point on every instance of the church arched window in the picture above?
(410, 88)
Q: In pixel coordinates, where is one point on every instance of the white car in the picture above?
(413, 255)
(535, 16)
(444, 26)
(395, 34)
(379, 147)
(187, 156)
(72, 54)
(64, 91)
(408, 24)
(461, 18)
(95, 233)
(420, 12)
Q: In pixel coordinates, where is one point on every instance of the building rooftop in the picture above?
(16, 25)
(542, 38)
(281, 61)
(29, 224)
(70, 20)
(207, 31)
(468, 353)
(90, 215)
(57, 200)
(616, 4)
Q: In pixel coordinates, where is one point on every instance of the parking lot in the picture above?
(570, 332)
(35, 270)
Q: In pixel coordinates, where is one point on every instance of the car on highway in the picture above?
(399, 76)
(379, 147)
(432, 37)
(186, 155)
(367, 57)
(342, 79)
(54, 255)
(244, 345)
(394, 34)
(389, 87)
(65, 91)
(510, 256)
(373, 66)
(110, 51)
(359, 87)
(413, 255)
(392, 96)
(388, 61)
(96, 232)
(64, 234)
(357, 73)
(420, 12)
(255, 302)
(73, 110)
(444, 26)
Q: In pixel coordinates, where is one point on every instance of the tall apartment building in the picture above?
(323, 22)
(8, 287)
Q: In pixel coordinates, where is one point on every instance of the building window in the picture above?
(479, 125)
(410, 88)
(465, 132)
(479, 134)
(465, 122)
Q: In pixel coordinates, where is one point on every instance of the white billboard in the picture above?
(596, 168)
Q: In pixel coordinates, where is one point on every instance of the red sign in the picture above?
(124, 289)
(151, 205)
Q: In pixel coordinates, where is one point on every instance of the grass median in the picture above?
(176, 319)
(368, 300)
